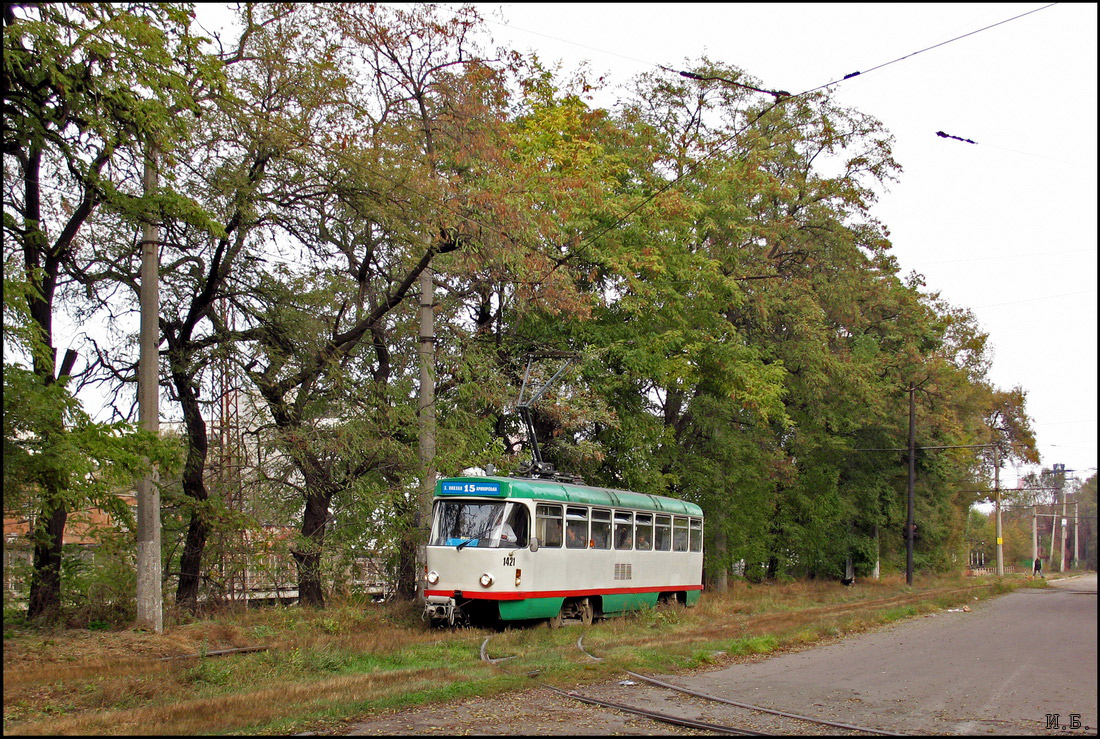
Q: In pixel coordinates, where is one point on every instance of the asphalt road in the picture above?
(1000, 668)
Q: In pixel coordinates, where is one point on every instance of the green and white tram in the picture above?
(510, 548)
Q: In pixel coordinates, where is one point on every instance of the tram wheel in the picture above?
(586, 611)
(555, 622)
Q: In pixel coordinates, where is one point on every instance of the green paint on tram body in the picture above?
(517, 610)
(617, 602)
(518, 487)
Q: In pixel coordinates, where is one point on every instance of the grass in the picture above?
(324, 669)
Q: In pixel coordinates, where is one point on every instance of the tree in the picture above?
(80, 106)
(746, 333)
(387, 191)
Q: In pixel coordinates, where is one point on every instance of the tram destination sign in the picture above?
(465, 487)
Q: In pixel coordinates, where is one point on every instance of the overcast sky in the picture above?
(1005, 227)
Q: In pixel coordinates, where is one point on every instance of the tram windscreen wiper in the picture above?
(468, 541)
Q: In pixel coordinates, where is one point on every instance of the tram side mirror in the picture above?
(534, 544)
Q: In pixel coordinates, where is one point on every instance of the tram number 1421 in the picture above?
(515, 548)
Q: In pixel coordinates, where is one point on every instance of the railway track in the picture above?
(695, 710)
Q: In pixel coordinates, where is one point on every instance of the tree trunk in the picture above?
(719, 578)
(311, 591)
(194, 487)
(45, 594)
(187, 592)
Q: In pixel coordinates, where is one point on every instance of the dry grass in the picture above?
(323, 668)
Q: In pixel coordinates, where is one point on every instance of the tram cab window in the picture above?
(576, 528)
(470, 523)
(643, 531)
(624, 530)
(601, 529)
(696, 535)
(548, 525)
(679, 534)
(663, 538)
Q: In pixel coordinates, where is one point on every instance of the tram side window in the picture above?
(514, 531)
(624, 530)
(696, 535)
(576, 527)
(664, 533)
(548, 525)
(643, 531)
(680, 534)
(601, 529)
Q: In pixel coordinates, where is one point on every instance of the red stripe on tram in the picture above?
(523, 595)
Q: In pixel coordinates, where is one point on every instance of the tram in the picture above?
(519, 548)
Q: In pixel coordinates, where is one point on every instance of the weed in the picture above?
(263, 632)
(897, 614)
(752, 645)
(211, 672)
(805, 636)
(328, 625)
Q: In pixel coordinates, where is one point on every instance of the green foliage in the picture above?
(51, 443)
(100, 581)
(744, 333)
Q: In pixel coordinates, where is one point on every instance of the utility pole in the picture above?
(426, 417)
(1034, 537)
(997, 490)
(1062, 553)
(149, 598)
(1076, 533)
(912, 483)
(1059, 471)
(911, 449)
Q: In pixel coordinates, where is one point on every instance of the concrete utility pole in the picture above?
(1076, 534)
(1034, 537)
(427, 412)
(1062, 553)
(997, 490)
(912, 483)
(149, 598)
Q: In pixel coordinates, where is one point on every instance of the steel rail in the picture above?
(785, 714)
(656, 715)
(668, 718)
(646, 713)
(748, 706)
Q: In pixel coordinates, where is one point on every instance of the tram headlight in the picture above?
(432, 577)
(486, 580)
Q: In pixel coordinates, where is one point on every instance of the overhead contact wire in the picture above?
(850, 75)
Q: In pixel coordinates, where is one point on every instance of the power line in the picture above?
(780, 97)
(1035, 300)
(850, 75)
(567, 41)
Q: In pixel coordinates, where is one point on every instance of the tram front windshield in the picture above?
(479, 524)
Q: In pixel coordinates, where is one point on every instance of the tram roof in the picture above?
(529, 487)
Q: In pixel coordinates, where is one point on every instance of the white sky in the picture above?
(1006, 228)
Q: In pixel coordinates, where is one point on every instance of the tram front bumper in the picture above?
(442, 608)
